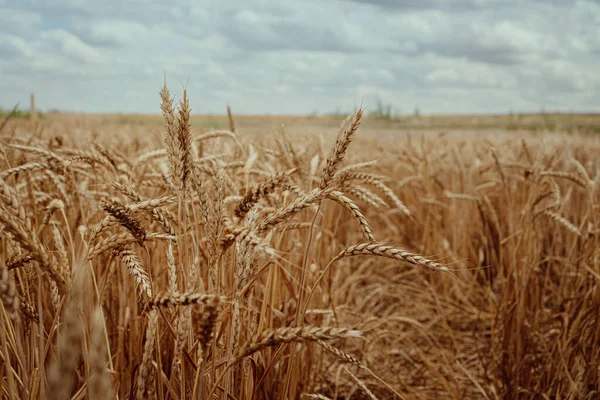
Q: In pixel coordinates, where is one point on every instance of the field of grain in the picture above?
(182, 257)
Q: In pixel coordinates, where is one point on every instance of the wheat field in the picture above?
(170, 261)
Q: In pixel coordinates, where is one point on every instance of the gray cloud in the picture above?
(295, 57)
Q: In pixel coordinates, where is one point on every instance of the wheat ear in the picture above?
(375, 249)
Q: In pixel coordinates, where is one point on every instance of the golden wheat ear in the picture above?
(339, 150)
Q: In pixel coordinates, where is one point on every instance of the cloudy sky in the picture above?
(294, 57)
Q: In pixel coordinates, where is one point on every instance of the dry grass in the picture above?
(289, 265)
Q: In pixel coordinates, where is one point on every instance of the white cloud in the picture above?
(112, 32)
(466, 74)
(13, 46)
(295, 57)
(70, 45)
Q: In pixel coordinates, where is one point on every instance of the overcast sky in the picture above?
(294, 57)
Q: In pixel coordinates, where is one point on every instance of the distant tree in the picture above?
(381, 110)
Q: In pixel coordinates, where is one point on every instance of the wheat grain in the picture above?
(182, 299)
(339, 150)
(375, 249)
(287, 335)
(8, 294)
(145, 371)
(136, 269)
(261, 190)
(355, 211)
